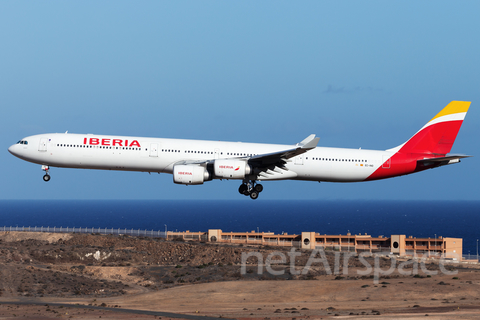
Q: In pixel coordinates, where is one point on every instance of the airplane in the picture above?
(193, 162)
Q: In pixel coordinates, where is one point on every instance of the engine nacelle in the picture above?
(190, 174)
(231, 169)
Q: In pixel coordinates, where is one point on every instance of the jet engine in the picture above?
(190, 174)
(231, 169)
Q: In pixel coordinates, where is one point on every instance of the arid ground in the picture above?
(84, 276)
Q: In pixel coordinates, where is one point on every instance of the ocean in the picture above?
(459, 219)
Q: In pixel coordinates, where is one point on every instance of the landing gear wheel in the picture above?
(250, 188)
(46, 178)
(243, 188)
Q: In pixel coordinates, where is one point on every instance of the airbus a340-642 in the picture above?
(193, 162)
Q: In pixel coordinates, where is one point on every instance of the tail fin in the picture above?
(438, 135)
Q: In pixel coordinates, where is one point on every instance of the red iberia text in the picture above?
(111, 142)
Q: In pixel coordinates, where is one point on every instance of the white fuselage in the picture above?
(193, 162)
(89, 151)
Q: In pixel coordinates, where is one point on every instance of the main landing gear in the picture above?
(46, 177)
(250, 189)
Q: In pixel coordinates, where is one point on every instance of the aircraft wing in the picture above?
(270, 158)
(282, 156)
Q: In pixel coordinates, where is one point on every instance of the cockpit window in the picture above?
(22, 142)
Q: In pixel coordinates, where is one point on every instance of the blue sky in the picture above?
(356, 73)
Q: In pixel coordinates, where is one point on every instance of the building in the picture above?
(396, 244)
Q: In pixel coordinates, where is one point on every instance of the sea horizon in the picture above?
(417, 218)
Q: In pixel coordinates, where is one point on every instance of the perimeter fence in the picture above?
(114, 231)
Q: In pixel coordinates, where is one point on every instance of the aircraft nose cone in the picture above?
(11, 149)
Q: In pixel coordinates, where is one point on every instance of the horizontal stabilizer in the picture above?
(448, 159)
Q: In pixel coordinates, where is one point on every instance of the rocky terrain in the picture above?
(104, 275)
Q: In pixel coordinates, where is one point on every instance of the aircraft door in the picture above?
(387, 160)
(153, 150)
(43, 144)
(217, 153)
(299, 159)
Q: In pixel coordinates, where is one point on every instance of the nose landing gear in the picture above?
(46, 177)
(251, 189)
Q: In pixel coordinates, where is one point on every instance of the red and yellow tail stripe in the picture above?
(433, 140)
(438, 135)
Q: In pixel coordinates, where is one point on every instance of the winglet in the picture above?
(309, 142)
